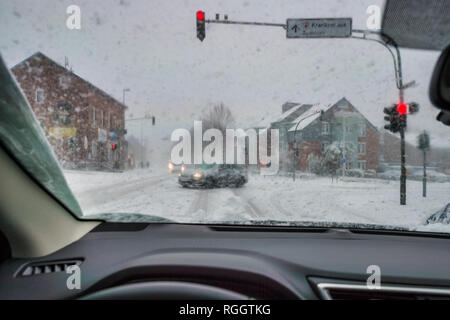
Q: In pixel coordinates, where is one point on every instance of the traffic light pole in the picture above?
(403, 167)
(401, 87)
(402, 134)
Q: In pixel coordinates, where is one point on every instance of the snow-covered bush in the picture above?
(355, 173)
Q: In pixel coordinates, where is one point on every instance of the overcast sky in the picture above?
(151, 48)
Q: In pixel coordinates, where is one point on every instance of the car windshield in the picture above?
(300, 98)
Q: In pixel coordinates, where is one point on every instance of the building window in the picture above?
(101, 119)
(348, 129)
(64, 81)
(361, 148)
(323, 146)
(362, 164)
(325, 127)
(362, 130)
(39, 95)
(94, 150)
(93, 116)
(109, 119)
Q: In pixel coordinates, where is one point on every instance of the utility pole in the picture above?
(344, 146)
(125, 90)
(423, 143)
(424, 182)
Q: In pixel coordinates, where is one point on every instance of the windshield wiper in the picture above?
(309, 224)
(128, 217)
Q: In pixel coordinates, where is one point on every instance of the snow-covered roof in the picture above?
(309, 116)
(287, 113)
(266, 121)
(71, 73)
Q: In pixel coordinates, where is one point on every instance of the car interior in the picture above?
(42, 238)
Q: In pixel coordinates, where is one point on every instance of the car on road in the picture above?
(175, 168)
(213, 176)
(231, 175)
(200, 176)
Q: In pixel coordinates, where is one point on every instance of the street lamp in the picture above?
(125, 90)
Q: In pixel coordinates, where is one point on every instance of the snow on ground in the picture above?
(312, 199)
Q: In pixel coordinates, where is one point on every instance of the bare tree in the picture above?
(218, 117)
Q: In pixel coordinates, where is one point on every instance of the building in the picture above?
(84, 125)
(306, 130)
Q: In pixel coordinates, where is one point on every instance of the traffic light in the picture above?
(402, 110)
(153, 120)
(413, 107)
(113, 146)
(201, 25)
(392, 116)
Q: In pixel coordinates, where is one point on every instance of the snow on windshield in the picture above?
(134, 106)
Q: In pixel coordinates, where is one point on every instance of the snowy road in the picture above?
(277, 198)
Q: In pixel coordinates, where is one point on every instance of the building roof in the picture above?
(291, 114)
(300, 111)
(40, 54)
(344, 100)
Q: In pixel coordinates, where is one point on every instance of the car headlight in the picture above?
(197, 175)
(182, 168)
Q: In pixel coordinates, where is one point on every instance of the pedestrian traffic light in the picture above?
(201, 25)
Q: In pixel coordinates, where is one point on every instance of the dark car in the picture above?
(231, 175)
(213, 176)
(200, 176)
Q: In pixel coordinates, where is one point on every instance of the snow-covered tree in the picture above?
(333, 155)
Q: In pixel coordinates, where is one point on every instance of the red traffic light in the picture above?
(113, 146)
(402, 108)
(200, 15)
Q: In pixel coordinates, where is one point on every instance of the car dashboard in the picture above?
(127, 260)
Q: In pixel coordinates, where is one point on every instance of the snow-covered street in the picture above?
(314, 199)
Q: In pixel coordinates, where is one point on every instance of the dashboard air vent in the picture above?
(46, 267)
(352, 291)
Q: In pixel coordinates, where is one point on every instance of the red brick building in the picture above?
(84, 125)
